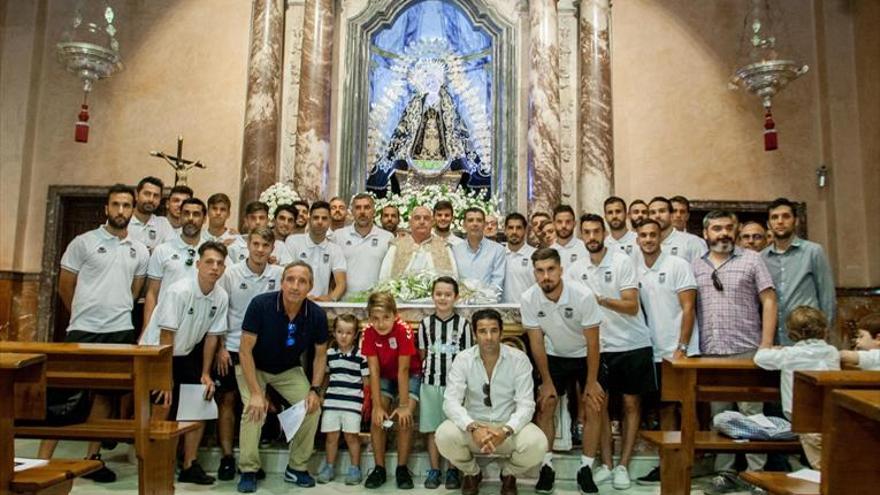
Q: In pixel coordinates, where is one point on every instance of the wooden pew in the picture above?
(851, 443)
(119, 367)
(23, 378)
(692, 380)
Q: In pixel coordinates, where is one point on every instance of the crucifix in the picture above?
(180, 165)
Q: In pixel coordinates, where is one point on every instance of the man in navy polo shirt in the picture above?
(277, 328)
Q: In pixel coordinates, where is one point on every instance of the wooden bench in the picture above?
(23, 377)
(692, 380)
(119, 367)
(780, 483)
(851, 443)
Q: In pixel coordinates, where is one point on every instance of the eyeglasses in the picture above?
(716, 281)
(192, 255)
(487, 400)
(291, 330)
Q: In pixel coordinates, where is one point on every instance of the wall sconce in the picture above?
(822, 176)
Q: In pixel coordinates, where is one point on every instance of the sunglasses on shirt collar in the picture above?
(291, 334)
(192, 256)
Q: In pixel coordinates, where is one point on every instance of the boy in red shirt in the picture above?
(395, 368)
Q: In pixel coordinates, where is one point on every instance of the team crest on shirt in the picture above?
(675, 251)
(608, 276)
(525, 262)
(191, 311)
(303, 255)
(132, 252)
(348, 242)
(243, 286)
(272, 284)
(628, 249)
(152, 235)
(662, 278)
(568, 312)
(584, 277)
(326, 258)
(241, 256)
(574, 257)
(374, 242)
(213, 312)
(541, 314)
(392, 342)
(102, 249)
(175, 256)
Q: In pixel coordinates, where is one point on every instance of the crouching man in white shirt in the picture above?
(489, 403)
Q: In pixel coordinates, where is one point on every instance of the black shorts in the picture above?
(228, 383)
(184, 369)
(564, 371)
(629, 372)
(83, 337)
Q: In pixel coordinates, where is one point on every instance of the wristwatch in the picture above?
(681, 347)
(317, 389)
(508, 431)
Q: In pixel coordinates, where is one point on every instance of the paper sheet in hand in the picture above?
(21, 463)
(192, 405)
(807, 474)
(291, 419)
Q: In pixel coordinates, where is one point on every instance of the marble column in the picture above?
(543, 137)
(596, 164)
(259, 166)
(313, 121)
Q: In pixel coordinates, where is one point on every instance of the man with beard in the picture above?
(102, 272)
(675, 242)
(736, 313)
(570, 248)
(479, 258)
(176, 197)
(638, 211)
(390, 219)
(681, 212)
(285, 221)
(538, 219)
(799, 268)
(175, 259)
(562, 321)
(443, 218)
(619, 237)
(302, 217)
(753, 236)
(218, 213)
(419, 250)
(364, 245)
(146, 227)
(338, 214)
(627, 354)
(520, 274)
(323, 256)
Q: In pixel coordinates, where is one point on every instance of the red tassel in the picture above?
(82, 125)
(770, 138)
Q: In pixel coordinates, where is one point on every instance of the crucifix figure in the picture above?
(180, 165)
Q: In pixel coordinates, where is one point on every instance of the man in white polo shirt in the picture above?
(190, 310)
(668, 293)
(627, 355)
(325, 258)
(285, 221)
(219, 206)
(175, 259)
(145, 226)
(241, 281)
(520, 274)
(619, 237)
(102, 271)
(256, 214)
(562, 321)
(570, 248)
(675, 242)
(363, 244)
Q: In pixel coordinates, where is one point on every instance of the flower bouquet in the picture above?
(278, 194)
(416, 288)
(409, 198)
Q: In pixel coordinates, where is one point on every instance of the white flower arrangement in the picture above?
(409, 198)
(278, 194)
(416, 288)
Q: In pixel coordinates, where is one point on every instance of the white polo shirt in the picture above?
(190, 314)
(237, 251)
(628, 244)
(173, 260)
(241, 284)
(684, 245)
(614, 274)
(572, 252)
(562, 322)
(105, 267)
(281, 253)
(325, 259)
(222, 238)
(660, 286)
(154, 232)
(363, 256)
(520, 273)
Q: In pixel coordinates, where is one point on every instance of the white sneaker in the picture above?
(620, 478)
(601, 474)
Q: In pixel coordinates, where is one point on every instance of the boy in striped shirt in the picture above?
(347, 372)
(442, 335)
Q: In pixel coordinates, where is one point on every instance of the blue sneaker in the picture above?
(354, 476)
(247, 483)
(326, 474)
(300, 478)
(432, 480)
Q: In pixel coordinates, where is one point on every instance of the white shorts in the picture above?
(347, 421)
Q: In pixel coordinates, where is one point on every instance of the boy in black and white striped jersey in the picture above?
(347, 372)
(442, 335)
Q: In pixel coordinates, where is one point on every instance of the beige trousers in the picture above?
(523, 451)
(812, 444)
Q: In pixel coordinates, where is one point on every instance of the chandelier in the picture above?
(764, 74)
(89, 49)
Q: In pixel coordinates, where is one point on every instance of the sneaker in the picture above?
(353, 477)
(620, 478)
(299, 478)
(227, 468)
(652, 478)
(545, 480)
(453, 479)
(376, 478)
(404, 478)
(247, 483)
(585, 480)
(195, 474)
(432, 480)
(261, 475)
(601, 474)
(326, 474)
(723, 483)
(103, 475)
